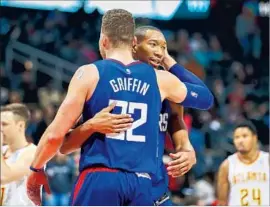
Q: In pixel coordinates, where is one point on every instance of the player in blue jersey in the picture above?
(149, 49)
(116, 166)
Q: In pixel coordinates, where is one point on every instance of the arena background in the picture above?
(225, 43)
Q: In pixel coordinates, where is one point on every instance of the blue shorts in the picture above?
(160, 194)
(101, 186)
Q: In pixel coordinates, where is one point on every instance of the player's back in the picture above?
(134, 87)
(249, 183)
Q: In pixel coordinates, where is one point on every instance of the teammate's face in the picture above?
(151, 49)
(10, 126)
(244, 140)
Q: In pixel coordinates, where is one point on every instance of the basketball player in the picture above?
(16, 156)
(243, 178)
(171, 116)
(114, 166)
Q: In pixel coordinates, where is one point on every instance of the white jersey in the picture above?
(249, 183)
(14, 193)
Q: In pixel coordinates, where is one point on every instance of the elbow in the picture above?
(206, 101)
(198, 97)
(209, 104)
(55, 139)
(63, 150)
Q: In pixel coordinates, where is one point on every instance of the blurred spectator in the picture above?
(57, 18)
(247, 30)
(184, 47)
(61, 172)
(29, 88)
(5, 85)
(204, 189)
(49, 95)
(15, 97)
(215, 50)
(48, 115)
(219, 91)
(36, 118)
(199, 49)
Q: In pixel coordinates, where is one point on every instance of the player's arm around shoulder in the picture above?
(170, 87)
(223, 183)
(186, 94)
(103, 122)
(19, 169)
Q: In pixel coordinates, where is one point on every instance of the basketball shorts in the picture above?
(102, 186)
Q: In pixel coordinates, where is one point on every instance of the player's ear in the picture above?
(105, 41)
(134, 45)
(21, 125)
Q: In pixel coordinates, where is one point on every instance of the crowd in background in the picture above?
(238, 79)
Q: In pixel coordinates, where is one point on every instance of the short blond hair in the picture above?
(119, 26)
(18, 109)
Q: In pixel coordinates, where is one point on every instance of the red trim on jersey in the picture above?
(83, 174)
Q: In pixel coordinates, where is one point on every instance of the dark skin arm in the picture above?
(223, 184)
(185, 156)
(103, 122)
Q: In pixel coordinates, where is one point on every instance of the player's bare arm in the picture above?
(80, 89)
(170, 87)
(185, 156)
(223, 184)
(187, 94)
(19, 169)
(103, 122)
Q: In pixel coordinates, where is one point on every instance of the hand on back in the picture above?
(106, 122)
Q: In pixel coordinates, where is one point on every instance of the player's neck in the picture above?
(18, 143)
(123, 55)
(249, 157)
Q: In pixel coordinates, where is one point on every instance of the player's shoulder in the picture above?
(232, 159)
(165, 77)
(225, 164)
(87, 67)
(29, 150)
(162, 76)
(264, 155)
(88, 71)
(162, 72)
(31, 147)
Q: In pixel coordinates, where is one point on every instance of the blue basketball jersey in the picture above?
(134, 87)
(160, 180)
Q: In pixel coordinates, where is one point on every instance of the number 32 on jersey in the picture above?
(130, 107)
